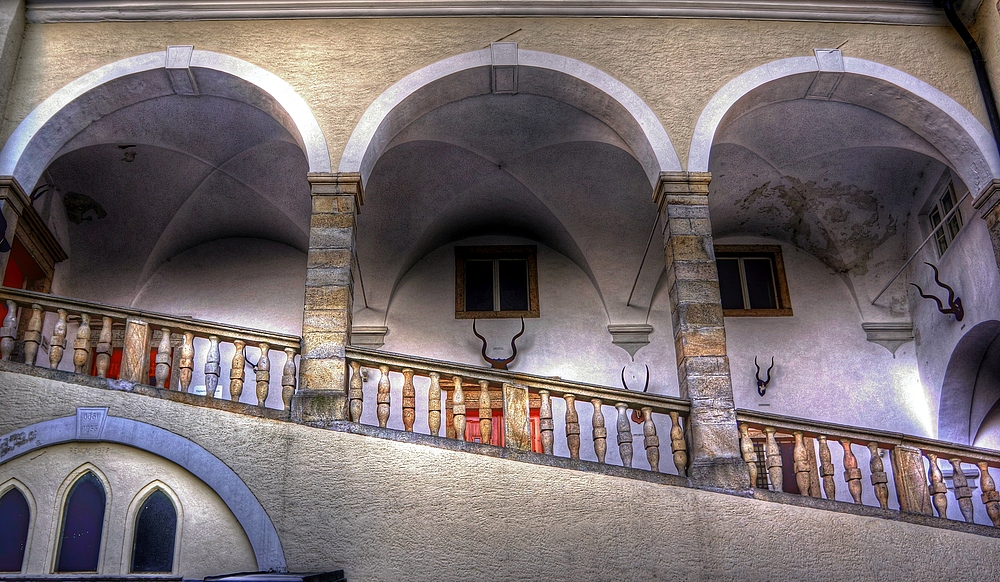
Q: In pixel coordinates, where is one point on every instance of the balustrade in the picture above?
(913, 474)
(548, 421)
(103, 334)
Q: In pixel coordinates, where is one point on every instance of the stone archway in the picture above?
(971, 384)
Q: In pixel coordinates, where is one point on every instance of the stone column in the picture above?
(699, 332)
(326, 320)
(989, 203)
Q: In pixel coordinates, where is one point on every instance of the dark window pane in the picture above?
(155, 529)
(83, 523)
(934, 217)
(478, 285)
(14, 517)
(729, 283)
(760, 283)
(513, 285)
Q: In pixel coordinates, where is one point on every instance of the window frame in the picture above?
(63, 500)
(496, 252)
(782, 295)
(132, 515)
(944, 226)
(5, 488)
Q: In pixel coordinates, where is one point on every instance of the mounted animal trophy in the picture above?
(496, 363)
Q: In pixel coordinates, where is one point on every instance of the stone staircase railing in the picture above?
(913, 471)
(530, 407)
(87, 338)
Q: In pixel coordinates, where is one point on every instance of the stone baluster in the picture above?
(939, 491)
(355, 392)
(651, 441)
(383, 397)
(546, 425)
(572, 427)
(288, 379)
(434, 404)
(485, 413)
(990, 497)
(800, 460)
(678, 446)
(8, 333)
(263, 374)
(600, 430)
(81, 345)
(213, 367)
(826, 469)
(237, 372)
(163, 358)
(186, 363)
(624, 434)
(879, 479)
(852, 474)
(104, 348)
(962, 491)
(409, 400)
(748, 452)
(33, 335)
(458, 409)
(57, 343)
(772, 459)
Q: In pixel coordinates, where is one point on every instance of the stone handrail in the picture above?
(463, 387)
(916, 475)
(138, 333)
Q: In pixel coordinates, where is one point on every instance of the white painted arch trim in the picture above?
(313, 140)
(367, 143)
(173, 447)
(734, 90)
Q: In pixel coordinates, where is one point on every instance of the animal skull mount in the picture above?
(762, 384)
(954, 303)
(496, 363)
(636, 415)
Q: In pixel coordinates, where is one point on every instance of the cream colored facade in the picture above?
(311, 175)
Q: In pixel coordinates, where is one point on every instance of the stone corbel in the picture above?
(630, 337)
(889, 335)
(368, 336)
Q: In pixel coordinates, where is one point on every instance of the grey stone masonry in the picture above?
(326, 320)
(699, 332)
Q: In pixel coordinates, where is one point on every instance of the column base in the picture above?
(317, 406)
(727, 475)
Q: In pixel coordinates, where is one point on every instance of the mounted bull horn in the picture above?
(495, 363)
(954, 303)
(762, 384)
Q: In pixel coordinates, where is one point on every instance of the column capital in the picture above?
(12, 191)
(337, 184)
(988, 200)
(680, 184)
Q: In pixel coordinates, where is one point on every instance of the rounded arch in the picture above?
(962, 388)
(132, 514)
(961, 138)
(39, 137)
(565, 79)
(195, 459)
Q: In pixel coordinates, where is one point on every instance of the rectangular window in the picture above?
(752, 280)
(945, 227)
(496, 282)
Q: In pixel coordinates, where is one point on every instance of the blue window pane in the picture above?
(83, 524)
(155, 529)
(14, 517)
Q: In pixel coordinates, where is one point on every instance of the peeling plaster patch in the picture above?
(840, 224)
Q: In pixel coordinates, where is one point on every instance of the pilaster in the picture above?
(24, 223)
(699, 332)
(326, 320)
(988, 202)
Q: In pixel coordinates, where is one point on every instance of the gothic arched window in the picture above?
(82, 526)
(155, 530)
(15, 515)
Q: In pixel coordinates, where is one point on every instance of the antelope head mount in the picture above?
(496, 363)
(954, 303)
(762, 384)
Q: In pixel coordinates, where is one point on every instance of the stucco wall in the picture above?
(340, 66)
(206, 524)
(386, 510)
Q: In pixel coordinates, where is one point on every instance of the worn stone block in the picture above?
(329, 258)
(336, 220)
(331, 238)
(328, 297)
(323, 374)
(700, 314)
(324, 344)
(688, 211)
(714, 409)
(703, 342)
(724, 474)
(310, 406)
(328, 276)
(704, 366)
(688, 248)
(695, 292)
(717, 387)
(325, 320)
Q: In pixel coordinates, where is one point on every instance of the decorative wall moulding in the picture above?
(368, 336)
(630, 337)
(889, 335)
(912, 12)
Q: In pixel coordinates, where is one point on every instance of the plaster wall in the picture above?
(11, 32)
(206, 524)
(386, 510)
(340, 66)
